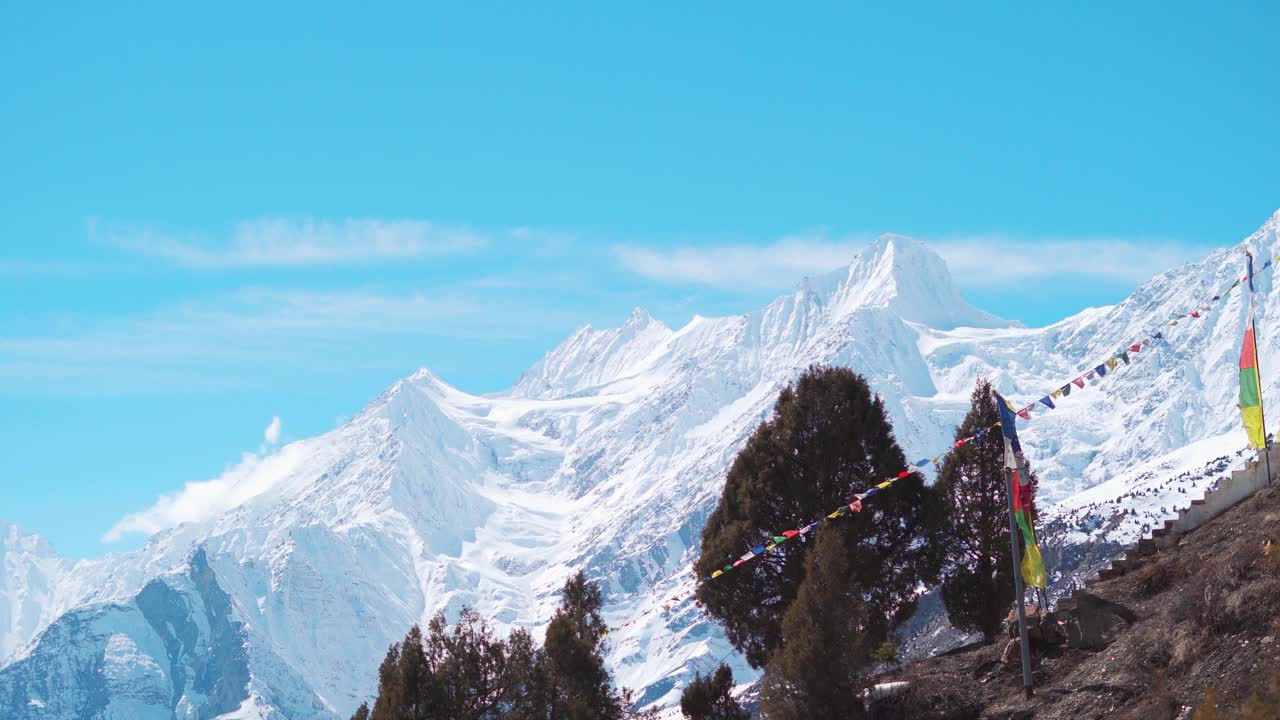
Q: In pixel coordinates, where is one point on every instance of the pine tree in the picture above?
(578, 684)
(709, 697)
(828, 643)
(828, 438)
(977, 582)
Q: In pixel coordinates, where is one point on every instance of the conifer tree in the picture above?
(578, 682)
(709, 697)
(827, 439)
(829, 633)
(977, 582)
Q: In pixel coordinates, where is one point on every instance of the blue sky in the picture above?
(218, 215)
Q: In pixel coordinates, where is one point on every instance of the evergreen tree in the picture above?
(828, 439)
(828, 641)
(361, 713)
(526, 687)
(578, 683)
(977, 581)
(709, 697)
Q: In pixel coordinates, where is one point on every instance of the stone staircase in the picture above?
(1239, 486)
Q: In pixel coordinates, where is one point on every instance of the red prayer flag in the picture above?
(1079, 382)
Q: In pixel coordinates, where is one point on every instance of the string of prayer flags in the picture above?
(853, 506)
(1032, 564)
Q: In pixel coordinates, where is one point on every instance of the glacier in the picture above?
(605, 456)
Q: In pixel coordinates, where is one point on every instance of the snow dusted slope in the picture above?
(607, 456)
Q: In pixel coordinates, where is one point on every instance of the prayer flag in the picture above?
(1047, 401)
(1079, 382)
(1250, 388)
(1009, 430)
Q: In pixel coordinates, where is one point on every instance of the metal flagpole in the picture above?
(1257, 365)
(1017, 588)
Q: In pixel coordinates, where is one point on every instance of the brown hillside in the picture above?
(1207, 617)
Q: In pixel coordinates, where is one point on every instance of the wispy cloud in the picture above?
(268, 242)
(778, 264)
(993, 259)
(253, 328)
(254, 474)
(973, 260)
(271, 435)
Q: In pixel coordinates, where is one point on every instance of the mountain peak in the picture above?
(590, 357)
(906, 276)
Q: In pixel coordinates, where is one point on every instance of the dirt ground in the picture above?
(1208, 614)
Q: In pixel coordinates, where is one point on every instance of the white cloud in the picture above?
(266, 242)
(989, 260)
(272, 434)
(202, 500)
(226, 340)
(778, 264)
(973, 260)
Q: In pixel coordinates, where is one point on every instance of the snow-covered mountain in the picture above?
(607, 455)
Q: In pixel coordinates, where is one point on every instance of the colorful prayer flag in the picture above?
(1079, 382)
(1048, 402)
(1250, 388)
(1009, 430)
(1032, 564)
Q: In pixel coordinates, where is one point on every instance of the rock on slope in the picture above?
(1207, 616)
(607, 456)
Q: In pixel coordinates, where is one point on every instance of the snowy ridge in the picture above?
(607, 456)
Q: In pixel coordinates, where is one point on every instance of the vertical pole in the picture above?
(1266, 451)
(1018, 590)
(1257, 365)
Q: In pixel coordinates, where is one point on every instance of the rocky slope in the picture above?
(607, 456)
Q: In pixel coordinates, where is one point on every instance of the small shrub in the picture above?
(1265, 703)
(886, 653)
(1251, 607)
(1239, 564)
(1184, 647)
(1158, 576)
(1208, 708)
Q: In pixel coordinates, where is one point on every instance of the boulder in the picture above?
(1033, 621)
(1095, 621)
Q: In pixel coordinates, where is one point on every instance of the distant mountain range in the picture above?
(606, 456)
